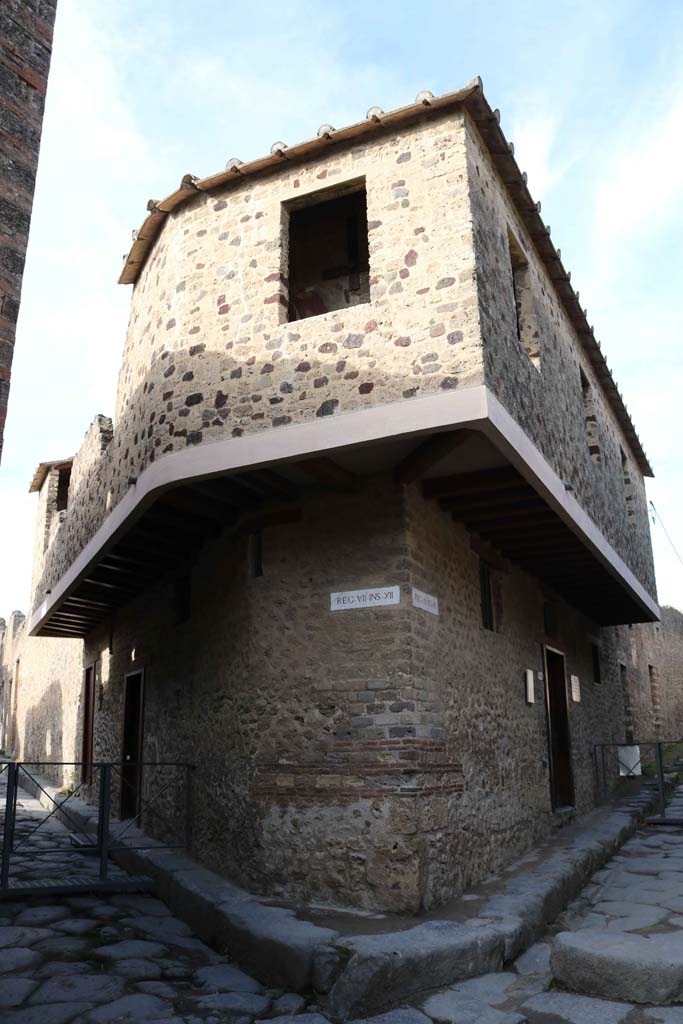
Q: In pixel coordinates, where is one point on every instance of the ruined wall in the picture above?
(544, 393)
(669, 673)
(209, 354)
(25, 47)
(40, 698)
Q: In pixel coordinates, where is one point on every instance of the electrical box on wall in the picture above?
(529, 686)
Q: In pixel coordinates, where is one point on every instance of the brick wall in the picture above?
(25, 46)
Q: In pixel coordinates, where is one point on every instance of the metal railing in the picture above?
(162, 811)
(646, 759)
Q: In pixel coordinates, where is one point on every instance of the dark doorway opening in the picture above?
(88, 724)
(328, 254)
(131, 769)
(559, 742)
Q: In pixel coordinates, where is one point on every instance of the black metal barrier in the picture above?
(163, 813)
(637, 759)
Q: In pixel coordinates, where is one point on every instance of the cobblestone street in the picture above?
(125, 957)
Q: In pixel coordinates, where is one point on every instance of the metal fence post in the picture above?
(10, 818)
(660, 781)
(103, 820)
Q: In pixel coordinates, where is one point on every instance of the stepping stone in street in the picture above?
(91, 988)
(130, 948)
(132, 1009)
(226, 978)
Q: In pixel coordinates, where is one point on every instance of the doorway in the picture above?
(131, 747)
(559, 741)
(88, 724)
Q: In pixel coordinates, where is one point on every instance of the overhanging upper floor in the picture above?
(463, 449)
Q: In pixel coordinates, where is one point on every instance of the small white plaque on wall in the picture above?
(425, 601)
(576, 689)
(374, 597)
(530, 690)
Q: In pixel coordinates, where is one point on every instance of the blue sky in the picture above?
(142, 92)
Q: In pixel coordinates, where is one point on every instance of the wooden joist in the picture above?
(429, 454)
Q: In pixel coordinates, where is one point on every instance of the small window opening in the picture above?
(63, 481)
(597, 671)
(329, 263)
(256, 554)
(628, 486)
(488, 610)
(549, 619)
(527, 329)
(183, 598)
(590, 418)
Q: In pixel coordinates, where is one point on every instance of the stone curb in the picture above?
(368, 973)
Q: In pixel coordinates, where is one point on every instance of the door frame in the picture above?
(548, 722)
(141, 731)
(86, 765)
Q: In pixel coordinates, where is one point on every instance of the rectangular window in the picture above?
(628, 486)
(527, 329)
(597, 673)
(590, 417)
(328, 256)
(63, 481)
(256, 554)
(488, 616)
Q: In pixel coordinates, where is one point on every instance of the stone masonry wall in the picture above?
(40, 698)
(209, 354)
(475, 678)
(577, 434)
(25, 47)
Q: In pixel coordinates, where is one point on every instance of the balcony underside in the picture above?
(514, 507)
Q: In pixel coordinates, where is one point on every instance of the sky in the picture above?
(144, 91)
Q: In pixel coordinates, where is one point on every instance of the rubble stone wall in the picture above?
(578, 435)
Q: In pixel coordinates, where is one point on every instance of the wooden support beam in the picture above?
(534, 514)
(194, 508)
(276, 483)
(429, 454)
(493, 500)
(328, 473)
(484, 480)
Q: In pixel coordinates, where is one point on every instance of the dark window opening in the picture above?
(597, 674)
(329, 261)
(488, 612)
(590, 418)
(549, 619)
(183, 598)
(628, 486)
(256, 554)
(63, 481)
(527, 330)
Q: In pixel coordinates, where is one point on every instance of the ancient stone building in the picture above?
(366, 536)
(25, 47)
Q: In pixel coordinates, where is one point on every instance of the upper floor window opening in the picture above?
(527, 329)
(628, 486)
(327, 252)
(63, 482)
(590, 418)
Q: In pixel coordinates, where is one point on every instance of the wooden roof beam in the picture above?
(429, 454)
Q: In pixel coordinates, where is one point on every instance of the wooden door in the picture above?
(88, 724)
(559, 741)
(131, 747)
